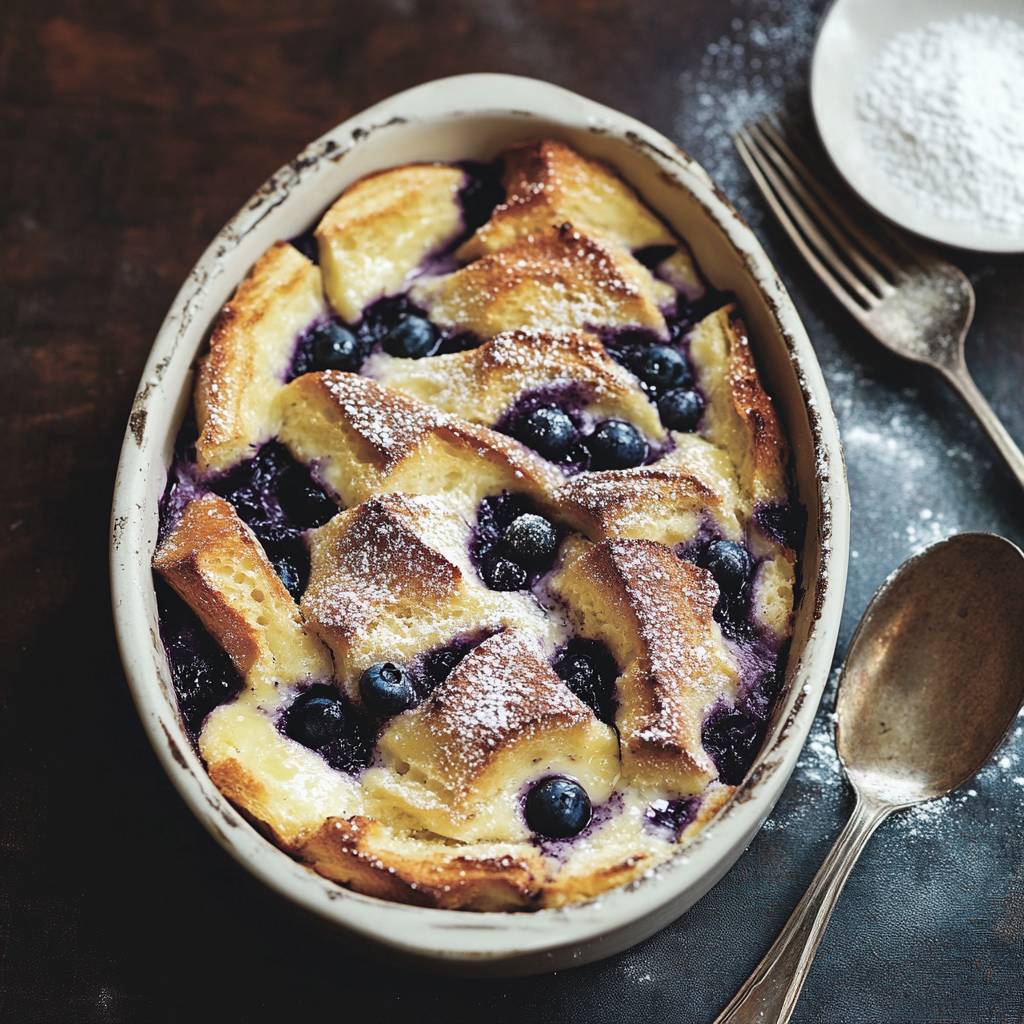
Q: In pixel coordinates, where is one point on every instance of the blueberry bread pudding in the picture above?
(476, 562)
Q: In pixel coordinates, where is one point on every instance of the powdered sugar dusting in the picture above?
(940, 111)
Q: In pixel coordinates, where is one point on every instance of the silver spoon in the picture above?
(932, 680)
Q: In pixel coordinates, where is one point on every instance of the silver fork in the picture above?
(916, 304)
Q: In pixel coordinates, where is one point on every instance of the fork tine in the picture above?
(791, 169)
(792, 140)
(747, 149)
(810, 231)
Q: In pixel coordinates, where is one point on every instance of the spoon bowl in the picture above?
(933, 679)
(934, 674)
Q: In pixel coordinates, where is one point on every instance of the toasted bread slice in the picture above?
(548, 184)
(382, 227)
(214, 561)
(653, 610)
(739, 415)
(457, 764)
(251, 348)
(667, 501)
(482, 384)
(289, 789)
(373, 859)
(368, 439)
(557, 279)
(392, 578)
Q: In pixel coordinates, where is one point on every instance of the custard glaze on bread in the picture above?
(382, 228)
(250, 351)
(602, 645)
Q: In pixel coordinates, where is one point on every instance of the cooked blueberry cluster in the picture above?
(512, 545)
(323, 721)
(278, 499)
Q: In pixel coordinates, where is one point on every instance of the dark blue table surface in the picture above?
(132, 133)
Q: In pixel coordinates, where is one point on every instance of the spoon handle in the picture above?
(769, 995)
(962, 381)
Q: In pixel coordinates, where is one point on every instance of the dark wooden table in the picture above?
(130, 133)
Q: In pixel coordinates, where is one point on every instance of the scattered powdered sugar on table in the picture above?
(754, 68)
(940, 110)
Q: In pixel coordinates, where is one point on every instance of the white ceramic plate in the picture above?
(474, 116)
(852, 35)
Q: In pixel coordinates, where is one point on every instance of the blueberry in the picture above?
(548, 431)
(440, 664)
(289, 575)
(201, 684)
(730, 563)
(246, 504)
(413, 338)
(315, 720)
(661, 367)
(681, 409)
(303, 501)
(557, 808)
(336, 348)
(584, 677)
(616, 445)
(504, 574)
(531, 541)
(386, 689)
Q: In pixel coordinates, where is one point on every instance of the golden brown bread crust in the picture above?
(481, 384)
(557, 279)
(354, 852)
(740, 416)
(391, 578)
(667, 501)
(382, 227)
(654, 611)
(368, 439)
(250, 350)
(547, 184)
(209, 536)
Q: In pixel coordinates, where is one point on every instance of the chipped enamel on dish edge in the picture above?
(458, 118)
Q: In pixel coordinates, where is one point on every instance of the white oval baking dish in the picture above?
(467, 117)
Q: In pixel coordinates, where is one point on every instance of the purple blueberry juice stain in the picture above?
(732, 734)
(494, 514)
(378, 318)
(307, 244)
(279, 500)
(431, 668)
(651, 255)
(668, 819)
(589, 669)
(785, 523)
(569, 397)
(202, 673)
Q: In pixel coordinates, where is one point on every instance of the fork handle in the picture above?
(769, 995)
(961, 379)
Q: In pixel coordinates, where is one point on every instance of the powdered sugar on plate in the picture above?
(940, 112)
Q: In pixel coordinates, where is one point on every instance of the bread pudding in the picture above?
(477, 558)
